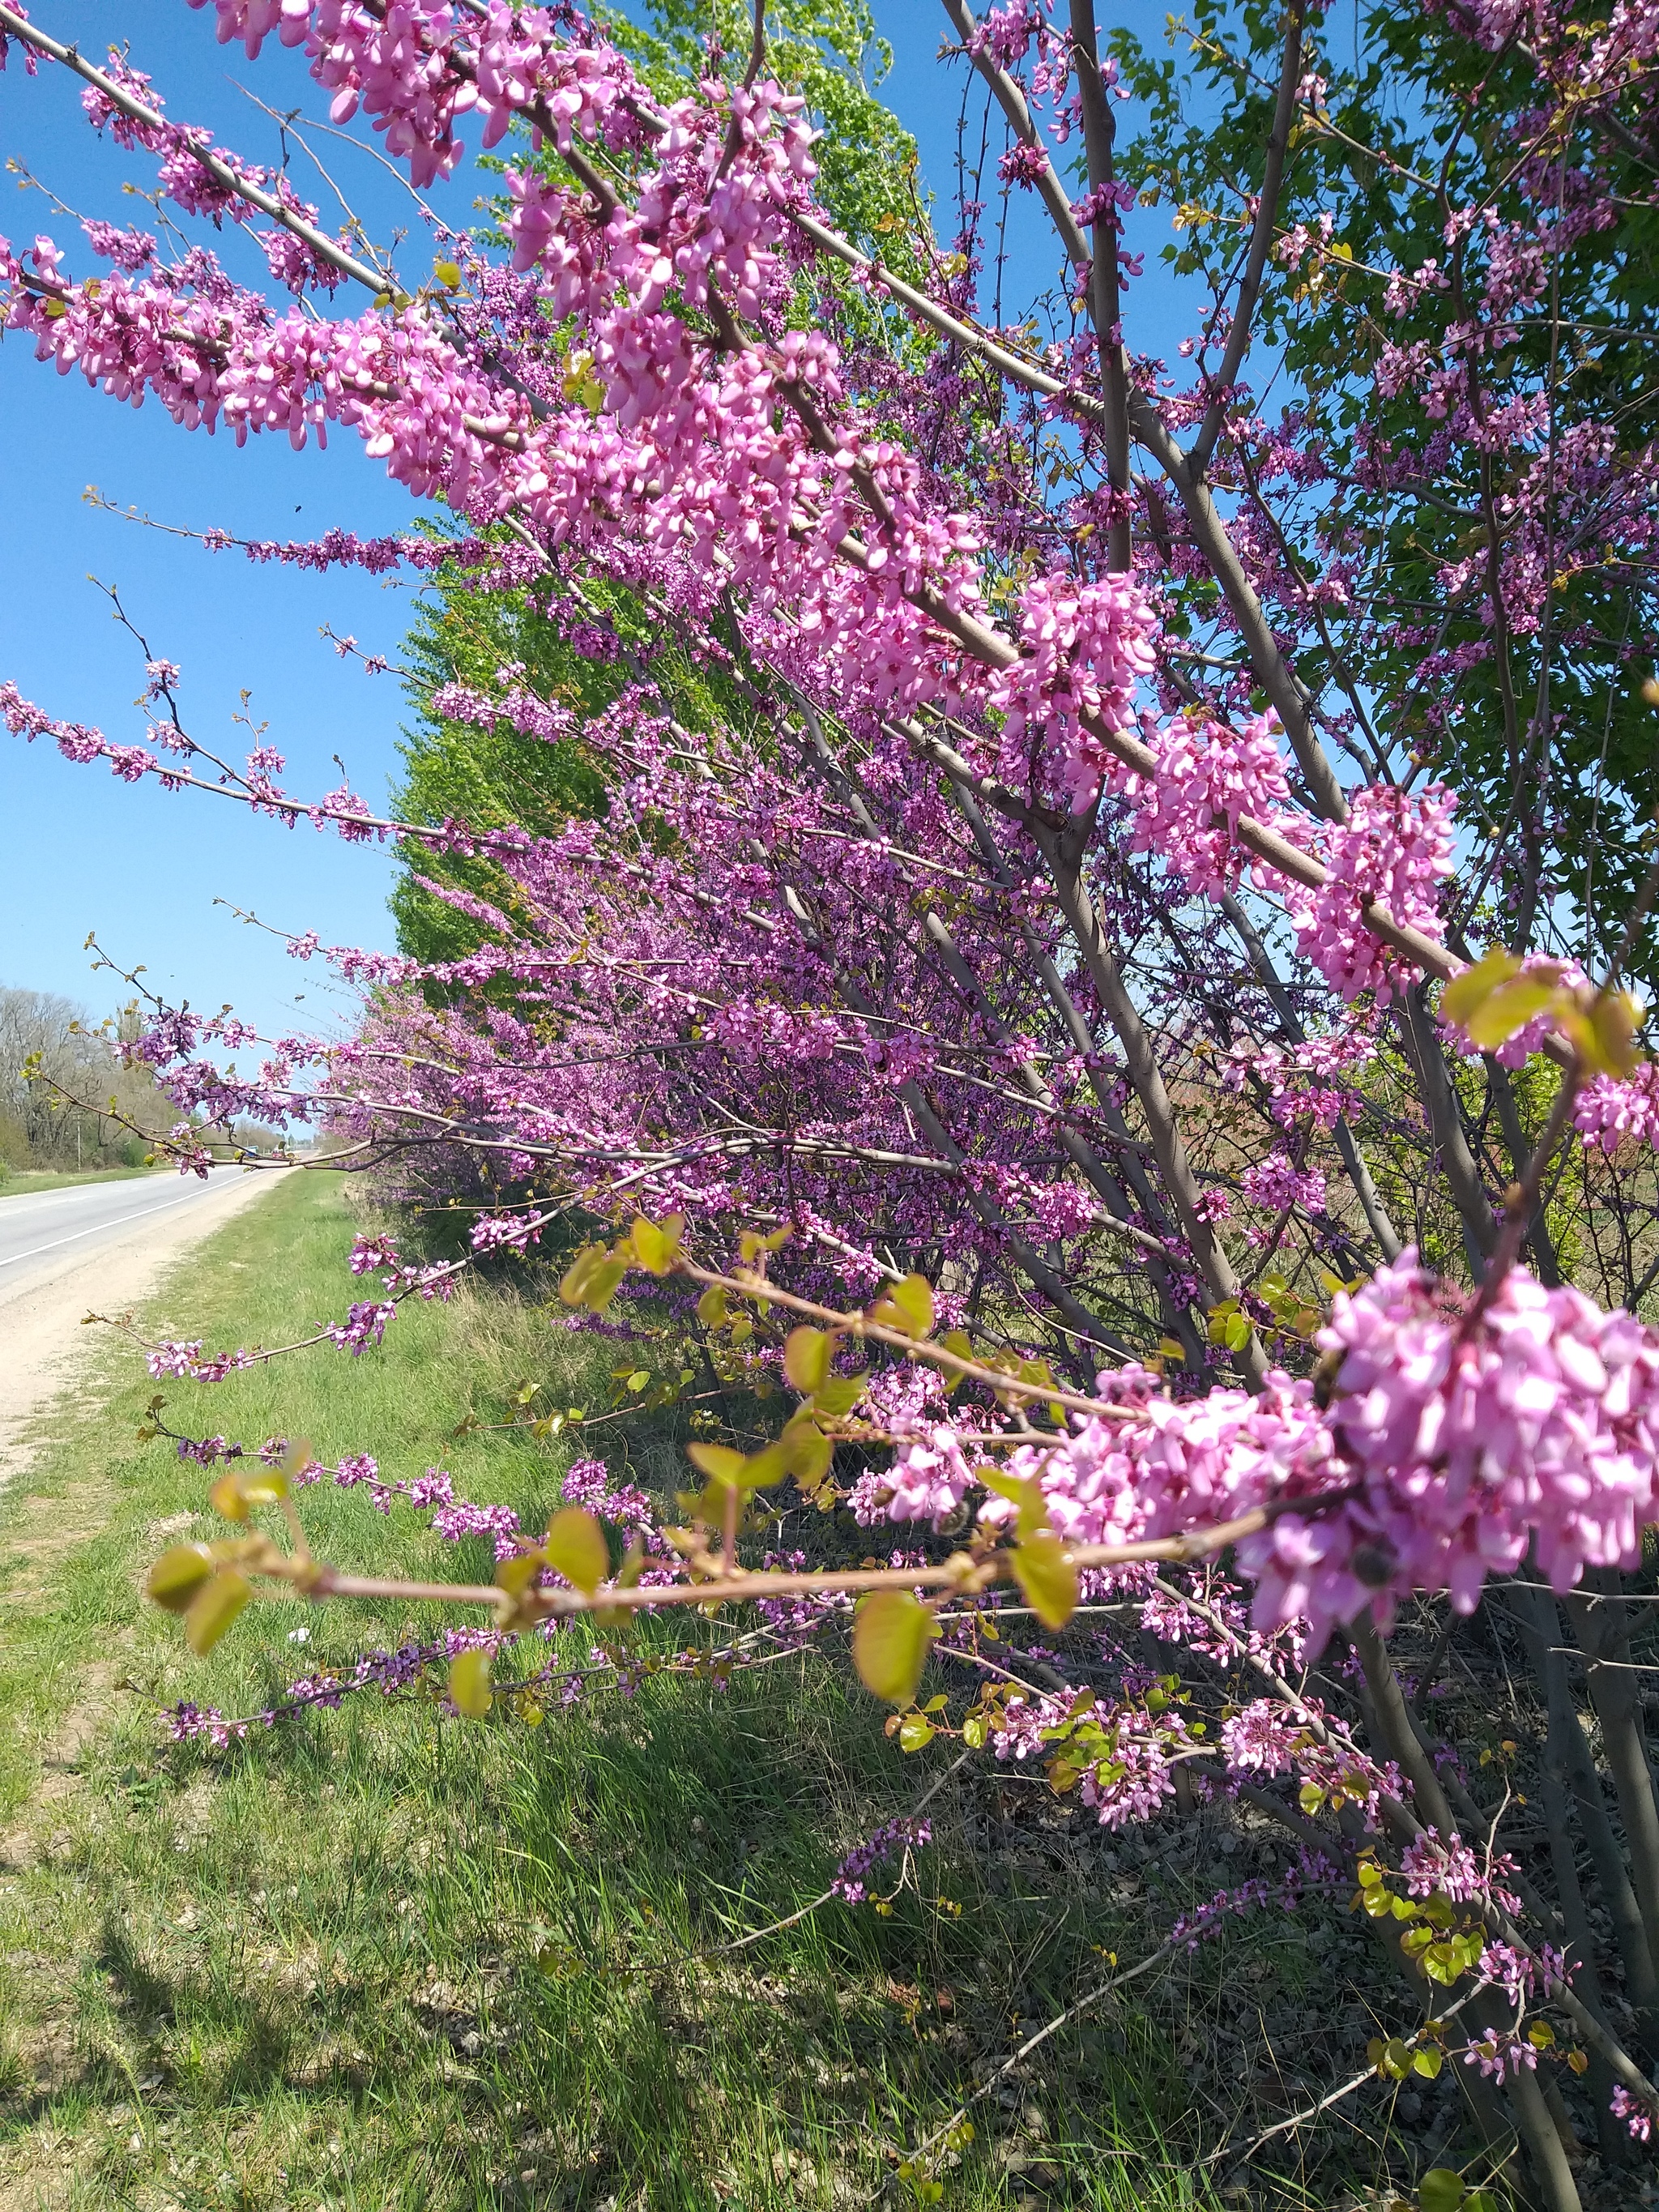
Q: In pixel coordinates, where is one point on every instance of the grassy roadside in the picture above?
(24, 1182)
(376, 1958)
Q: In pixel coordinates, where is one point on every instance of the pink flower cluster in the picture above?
(1534, 1424)
(1393, 849)
(183, 1360)
(1135, 1779)
(1087, 646)
(929, 1478)
(363, 1326)
(518, 705)
(587, 1483)
(1279, 1185)
(416, 66)
(1607, 1111)
(1636, 2117)
(1453, 1442)
(1207, 776)
(1446, 1866)
(892, 1838)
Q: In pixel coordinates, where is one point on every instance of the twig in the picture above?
(962, 1572)
(1312, 2111)
(776, 1926)
(1090, 1996)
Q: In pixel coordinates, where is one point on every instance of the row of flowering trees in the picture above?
(1085, 933)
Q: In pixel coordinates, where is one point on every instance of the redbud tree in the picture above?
(1061, 926)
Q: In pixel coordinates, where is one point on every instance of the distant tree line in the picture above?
(51, 1047)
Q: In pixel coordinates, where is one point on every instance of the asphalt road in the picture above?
(50, 1229)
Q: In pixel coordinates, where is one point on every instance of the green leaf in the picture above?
(1215, 1328)
(514, 1575)
(1467, 993)
(574, 1281)
(956, 1341)
(752, 1243)
(575, 1546)
(1441, 2190)
(807, 1360)
(807, 1451)
(1510, 1008)
(718, 1463)
(446, 272)
(914, 1298)
(1047, 1578)
(839, 1395)
(213, 1609)
(1604, 1034)
(178, 1575)
(228, 1498)
(604, 1283)
(712, 1308)
(657, 1248)
(1428, 2061)
(469, 1684)
(762, 1468)
(916, 1732)
(892, 1632)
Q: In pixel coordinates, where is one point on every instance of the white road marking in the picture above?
(166, 1206)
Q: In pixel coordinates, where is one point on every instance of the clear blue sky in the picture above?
(82, 852)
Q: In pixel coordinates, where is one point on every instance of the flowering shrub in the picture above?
(971, 1006)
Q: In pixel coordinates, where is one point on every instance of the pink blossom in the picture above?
(1393, 849)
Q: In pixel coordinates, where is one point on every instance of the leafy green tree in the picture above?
(1500, 606)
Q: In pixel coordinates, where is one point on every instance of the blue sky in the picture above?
(143, 868)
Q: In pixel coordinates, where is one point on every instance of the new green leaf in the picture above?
(469, 1684)
(892, 1632)
(576, 1548)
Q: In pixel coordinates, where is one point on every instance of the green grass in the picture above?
(381, 1958)
(24, 1182)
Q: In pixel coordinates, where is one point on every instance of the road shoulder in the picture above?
(43, 1345)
